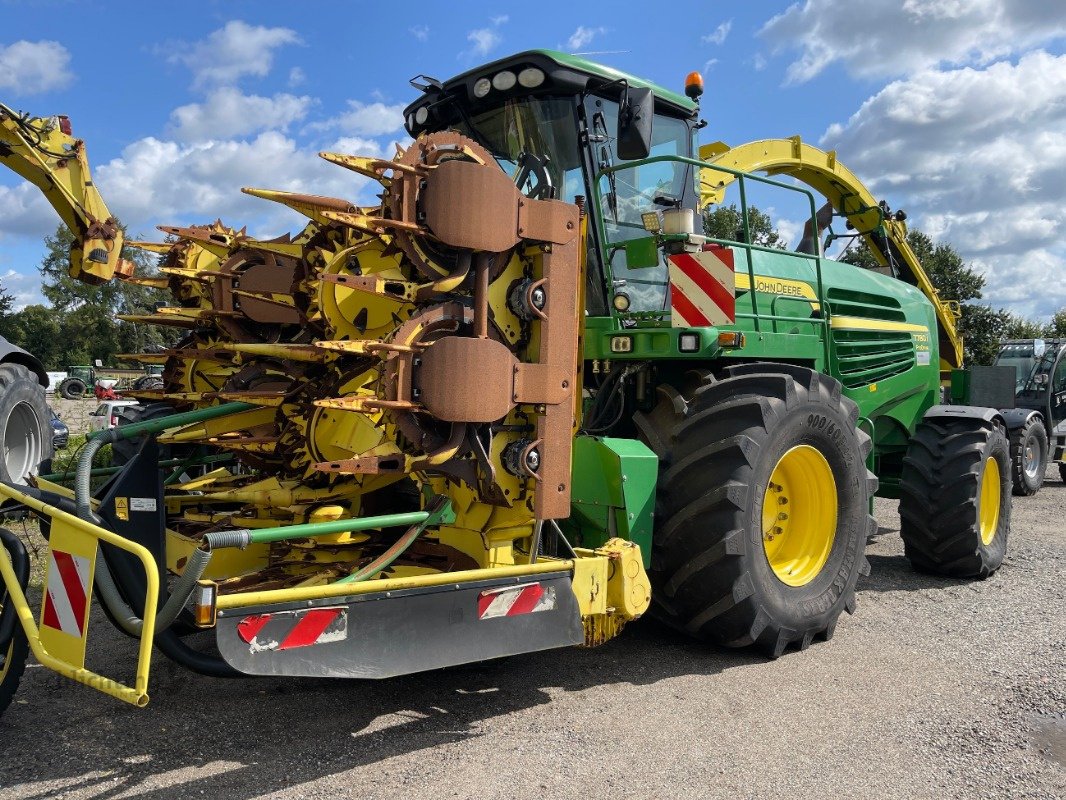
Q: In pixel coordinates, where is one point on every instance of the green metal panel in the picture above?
(613, 492)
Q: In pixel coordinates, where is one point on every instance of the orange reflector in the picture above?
(731, 339)
(205, 605)
(694, 85)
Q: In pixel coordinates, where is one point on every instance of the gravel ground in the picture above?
(936, 688)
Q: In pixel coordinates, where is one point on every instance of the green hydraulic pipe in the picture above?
(312, 529)
(170, 462)
(173, 421)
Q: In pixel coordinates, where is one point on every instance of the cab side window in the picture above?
(1058, 381)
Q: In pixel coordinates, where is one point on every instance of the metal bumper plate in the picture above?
(397, 633)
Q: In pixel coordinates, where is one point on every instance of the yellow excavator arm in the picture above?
(886, 235)
(43, 151)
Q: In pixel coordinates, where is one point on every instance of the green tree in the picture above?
(37, 329)
(1057, 327)
(7, 315)
(89, 327)
(726, 222)
(1021, 328)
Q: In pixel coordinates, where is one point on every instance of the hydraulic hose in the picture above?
(110, 595)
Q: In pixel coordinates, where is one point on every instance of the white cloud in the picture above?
(484, 40)
(34, 67)
(977, 158)
(583, 37)
(164, 182)
(708, 65)
(365, 119)
(420, 32)
(227, 113)
(25, 212)
(719, 33)
(24, 288)
(892, 39)
(231, 52)
(296, 76)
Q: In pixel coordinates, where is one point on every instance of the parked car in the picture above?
(60, 431)
(106, 414)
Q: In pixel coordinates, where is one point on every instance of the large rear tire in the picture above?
(25, 424)
(763, 510)
(955, 497)
(72, 388)
(14, 647)
(1028, 456)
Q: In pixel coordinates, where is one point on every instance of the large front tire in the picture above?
(25, 424)
(764, 510)
(1028, 455)
(955, 497)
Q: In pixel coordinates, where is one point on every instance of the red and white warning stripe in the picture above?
(702, 287)
(288, 630)
(510, 601)
(67, 602)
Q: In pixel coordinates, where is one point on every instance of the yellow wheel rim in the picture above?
(7, 659)
(799, 515)
(991, 496)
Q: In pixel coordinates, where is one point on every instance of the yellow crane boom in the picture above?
(886, 235)
(43, 151)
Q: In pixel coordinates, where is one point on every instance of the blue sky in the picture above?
(952, 110)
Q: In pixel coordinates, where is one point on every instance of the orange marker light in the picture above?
(694, 85)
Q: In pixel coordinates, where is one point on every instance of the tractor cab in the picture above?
(564, 128)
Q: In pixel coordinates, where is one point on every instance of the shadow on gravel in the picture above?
(895, 574)
(245, 737)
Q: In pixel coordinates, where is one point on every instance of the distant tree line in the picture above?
(981, 326)
(80, 324)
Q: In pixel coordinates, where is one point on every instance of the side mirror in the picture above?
(634, 124)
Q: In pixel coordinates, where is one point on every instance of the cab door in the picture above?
(1057, 394)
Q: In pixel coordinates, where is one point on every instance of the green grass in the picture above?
(66, 460)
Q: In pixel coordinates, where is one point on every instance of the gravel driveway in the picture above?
(936, 688)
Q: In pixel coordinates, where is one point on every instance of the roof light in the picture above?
(531, 77)
(504, 80)
(482, 86)
(422, 114)
(694, 85)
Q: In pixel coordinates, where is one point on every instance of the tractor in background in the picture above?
(1036, 417)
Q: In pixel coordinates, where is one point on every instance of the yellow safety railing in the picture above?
(67, 656)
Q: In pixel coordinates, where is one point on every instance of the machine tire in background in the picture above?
(763, 508)
(124, 450)
(148, 382)
(1028, 457)
(72, 389)
(25, 424)
(13, 645)
(955, 497)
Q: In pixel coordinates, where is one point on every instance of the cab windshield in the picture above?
(535, 141)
